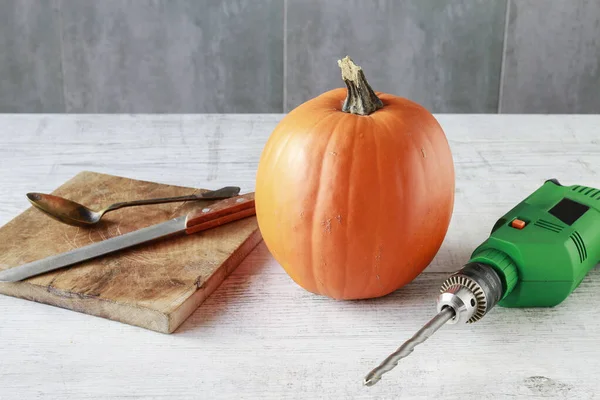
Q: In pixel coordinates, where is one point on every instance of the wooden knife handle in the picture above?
(220, 213)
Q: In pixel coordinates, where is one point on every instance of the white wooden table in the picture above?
(262, 337)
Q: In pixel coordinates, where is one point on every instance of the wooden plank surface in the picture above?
(155, 285)
(259, 335)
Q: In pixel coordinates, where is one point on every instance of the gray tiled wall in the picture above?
(195, 56)
(172, 56)
(552, 62)
(444, 55)
(31, 78)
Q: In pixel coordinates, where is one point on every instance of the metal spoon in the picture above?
(72, 213)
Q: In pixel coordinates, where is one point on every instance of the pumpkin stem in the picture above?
(361, 99)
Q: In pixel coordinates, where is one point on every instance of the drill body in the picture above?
(543, 248)
(535, 256)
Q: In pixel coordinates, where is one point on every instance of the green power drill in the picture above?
(536, 255)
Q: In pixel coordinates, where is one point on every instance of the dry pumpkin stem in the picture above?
(361, 99)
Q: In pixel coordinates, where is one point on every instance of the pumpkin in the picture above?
(355, 190)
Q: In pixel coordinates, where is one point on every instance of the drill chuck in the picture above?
(471, 292)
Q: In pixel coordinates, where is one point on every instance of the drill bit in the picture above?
(445, 315)
(465, 296)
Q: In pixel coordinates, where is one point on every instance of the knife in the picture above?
(217, 214)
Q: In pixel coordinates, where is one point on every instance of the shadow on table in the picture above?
(243, 288)
(230, 296)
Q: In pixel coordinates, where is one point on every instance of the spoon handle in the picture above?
(220, 194)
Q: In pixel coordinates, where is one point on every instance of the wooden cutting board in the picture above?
(154, 286)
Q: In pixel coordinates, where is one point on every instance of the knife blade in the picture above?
(217, 214)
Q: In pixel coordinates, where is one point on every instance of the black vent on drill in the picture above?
(587, 191)
(548, 225)
(576, 238)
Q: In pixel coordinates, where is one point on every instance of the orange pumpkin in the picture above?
(355, 190)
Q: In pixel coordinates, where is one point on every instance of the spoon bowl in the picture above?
(73, 213)
(64, 210)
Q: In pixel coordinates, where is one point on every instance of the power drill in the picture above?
(536, 255)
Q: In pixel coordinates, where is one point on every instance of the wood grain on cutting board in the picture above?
(155, 286)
